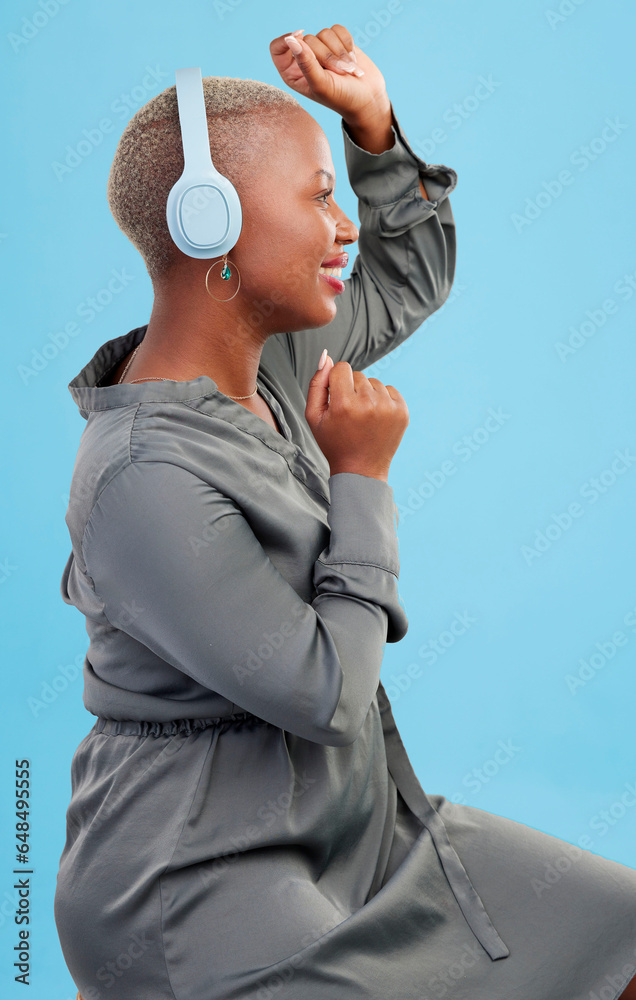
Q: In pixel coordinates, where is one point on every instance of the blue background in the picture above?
(528, 279)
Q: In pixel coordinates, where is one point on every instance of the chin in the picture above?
(321, 316)
(324, 317)
(329, 307)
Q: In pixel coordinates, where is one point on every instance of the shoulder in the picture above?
(139, 448)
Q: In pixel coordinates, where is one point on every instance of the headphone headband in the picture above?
(193, 120)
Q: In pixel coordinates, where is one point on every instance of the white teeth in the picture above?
(337, 271)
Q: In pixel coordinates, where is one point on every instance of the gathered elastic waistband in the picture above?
(134, 727)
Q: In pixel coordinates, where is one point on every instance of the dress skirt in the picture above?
(186, 877)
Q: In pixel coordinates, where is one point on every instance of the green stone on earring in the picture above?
(226, 273)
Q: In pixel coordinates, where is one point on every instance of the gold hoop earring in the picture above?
(225, 274)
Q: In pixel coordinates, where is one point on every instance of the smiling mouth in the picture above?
(335, 271)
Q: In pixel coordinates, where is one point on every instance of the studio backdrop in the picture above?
(516, 478)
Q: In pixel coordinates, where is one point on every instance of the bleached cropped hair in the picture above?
(149, 156)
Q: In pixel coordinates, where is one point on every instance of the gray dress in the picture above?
(244, 819)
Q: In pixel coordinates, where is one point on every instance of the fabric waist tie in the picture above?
(409, 787)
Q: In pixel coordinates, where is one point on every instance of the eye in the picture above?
(326, 194)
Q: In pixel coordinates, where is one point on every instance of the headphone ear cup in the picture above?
(204, 215)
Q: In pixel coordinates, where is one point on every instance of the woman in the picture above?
(244, 820)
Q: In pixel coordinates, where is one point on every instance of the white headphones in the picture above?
(203, 210)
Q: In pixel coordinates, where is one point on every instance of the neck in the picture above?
(188, 336)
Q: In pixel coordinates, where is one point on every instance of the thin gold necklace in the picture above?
(155, 378)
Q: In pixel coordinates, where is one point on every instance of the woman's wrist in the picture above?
(372, 131)
(358, 471)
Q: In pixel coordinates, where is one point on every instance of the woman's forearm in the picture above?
(375, 135)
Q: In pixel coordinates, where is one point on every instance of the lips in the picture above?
(340, 261)
(331, 270)
(336, 284)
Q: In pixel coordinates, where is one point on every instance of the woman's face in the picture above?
(291, 224)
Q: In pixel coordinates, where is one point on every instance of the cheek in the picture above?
(283, 245)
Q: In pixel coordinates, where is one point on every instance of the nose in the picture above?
(346, 230)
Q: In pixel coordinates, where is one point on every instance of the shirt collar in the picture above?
(201, 393)
(89, 395)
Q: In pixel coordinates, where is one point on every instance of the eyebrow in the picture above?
(318, 173)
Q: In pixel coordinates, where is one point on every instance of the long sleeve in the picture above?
(405, 265)
(224, 615)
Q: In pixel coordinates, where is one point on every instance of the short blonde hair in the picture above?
(149, 156)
